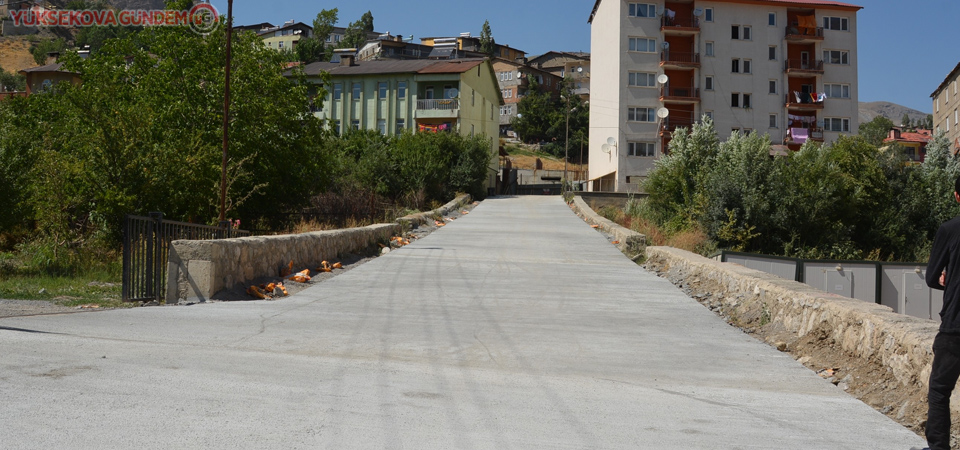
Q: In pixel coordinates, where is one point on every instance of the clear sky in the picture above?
(906, 48)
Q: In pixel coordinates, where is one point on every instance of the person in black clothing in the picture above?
(943, 272)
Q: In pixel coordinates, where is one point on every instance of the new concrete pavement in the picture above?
(515, 327)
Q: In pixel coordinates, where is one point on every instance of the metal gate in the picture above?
(146, 242)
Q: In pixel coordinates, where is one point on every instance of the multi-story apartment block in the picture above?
(946, 104)
(787, 68)
(459, 96)
(513, 78)
(558, 62)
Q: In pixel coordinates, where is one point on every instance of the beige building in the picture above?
(946, 103)
(787, 68)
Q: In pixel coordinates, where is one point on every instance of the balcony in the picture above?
(446, 108)
(796, 33)
(679, 60)
(670, 124)
(802, 68)
(680, 95)
(802, 135)
(802, 101)
(680, 26)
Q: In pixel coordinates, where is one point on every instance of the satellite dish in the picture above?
(698, 12)
(611, 141)
(663, 113)
(666, 45)
(454, 93)
(606, 148)
(663, 78)
(519, 74)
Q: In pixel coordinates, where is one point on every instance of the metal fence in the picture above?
(901, 286)
(146, 243)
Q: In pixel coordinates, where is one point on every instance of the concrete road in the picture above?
(515, 327)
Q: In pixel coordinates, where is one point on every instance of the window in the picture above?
(642, 79)
(955, 117)
(401, 89)
(774, 121)
(746, 66)
(280, 44)
(741, 66)
(643, 45)
(938, 104)
(473, 97)
(356, 92)
(642, 10)
(836, 56)
(708, 84)
(641, 149)
(641, 115)
(772, 53)
(382, 90)
(337, 91)
(708, 15)
(708, 114)
(738, 32)
(837, 90)
(836, 23)
(772, 19)
(708, 49)
(772, 87)
(738, 100)
(336, 127)
(735, 66)
(382, 126)
(401, 125)
(836, 124)
(355, 124)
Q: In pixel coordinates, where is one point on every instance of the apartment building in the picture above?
(513, 78)
(787, 68)
(946, 104)
(420, 96)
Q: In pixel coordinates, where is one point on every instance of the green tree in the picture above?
(487, 43)
(43, 47)
(315, 48)
(905, 121)
(535, 114)
(12, 81)
(876, 130)
(356, 34)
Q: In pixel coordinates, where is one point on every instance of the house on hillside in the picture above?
(787, 68)
(513, 78)
(559, 63)
(45, 77)
(420, 96)
(946, 104)
(387, 46)
(286, 36)
(472, 43)
(914, 142)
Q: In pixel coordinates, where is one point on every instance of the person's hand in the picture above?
(943, 278)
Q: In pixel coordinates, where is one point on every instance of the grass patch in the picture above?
(99, 284)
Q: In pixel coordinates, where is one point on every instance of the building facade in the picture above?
(459, 96)
(946, 104)
(787, 68)
(513, 78)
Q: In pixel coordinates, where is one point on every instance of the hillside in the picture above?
(892, 111)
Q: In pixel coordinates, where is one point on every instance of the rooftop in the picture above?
(829, 4)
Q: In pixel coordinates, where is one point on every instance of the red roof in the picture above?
(921, 136)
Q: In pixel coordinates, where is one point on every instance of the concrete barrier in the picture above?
(197, 270)
(414, 220)
(872, 336)
(630, 243)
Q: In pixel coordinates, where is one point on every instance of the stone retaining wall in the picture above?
(630, 243)
(415, 220)
(872, 333)
(197, 270)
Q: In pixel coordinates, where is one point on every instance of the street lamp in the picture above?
(566, 147)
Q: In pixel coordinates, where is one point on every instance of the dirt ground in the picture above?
(868, 380)
(15, 54)
(530, 162)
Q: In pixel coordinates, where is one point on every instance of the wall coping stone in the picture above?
(630, 243)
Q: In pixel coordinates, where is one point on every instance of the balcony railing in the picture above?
(680, 93)
(801, 135)
(802, 100)
(447, 104)
(797, 65)
(670, 124)
(796, 32)
(666, 23)
(679, 58)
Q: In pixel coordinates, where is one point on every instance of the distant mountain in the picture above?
(892, 111)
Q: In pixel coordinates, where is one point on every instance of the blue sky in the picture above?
(906, 48)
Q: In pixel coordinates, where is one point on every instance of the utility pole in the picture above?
(226, 118)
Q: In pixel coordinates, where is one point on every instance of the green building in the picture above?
(455, 95)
